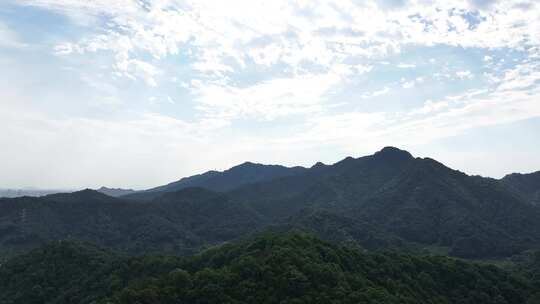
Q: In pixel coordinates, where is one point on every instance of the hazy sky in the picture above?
(137, 93)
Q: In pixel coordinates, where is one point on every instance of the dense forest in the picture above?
(269, 268)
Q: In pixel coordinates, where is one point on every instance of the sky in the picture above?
(138, 93)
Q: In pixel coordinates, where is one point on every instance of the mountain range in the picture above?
(386, 200)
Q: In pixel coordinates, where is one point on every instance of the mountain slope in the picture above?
(283, 268)
(431, 204)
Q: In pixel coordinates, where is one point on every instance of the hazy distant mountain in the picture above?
(243, 174)
(26, 192)
(527, 185)
(386, 200)
(115, 192)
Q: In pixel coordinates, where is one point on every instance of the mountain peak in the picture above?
(77, 195)
(248, 167)
(88, 193)
(246, 164)
(318, 165)
(393, 154)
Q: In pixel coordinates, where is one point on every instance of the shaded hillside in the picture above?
(246, 173)
(290, 268)
(527, 185)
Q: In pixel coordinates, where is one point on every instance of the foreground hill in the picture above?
(290, 268)
(386, 200)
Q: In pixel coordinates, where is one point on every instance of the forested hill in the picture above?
(181, 222)
(390, 199)
(272, 268)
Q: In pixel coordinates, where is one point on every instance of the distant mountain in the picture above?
(243, 174)
(528, 185)
(386, 200)
(10, 193)
(272, 268)
(115, 192)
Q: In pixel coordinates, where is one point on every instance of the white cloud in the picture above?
(406, 66)
(300, 94)
(513, 100)
(408, 84)
(298, 41)
(324, 33)
(142, 69)
(522, 78)
(464, 74)
(376, 93)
